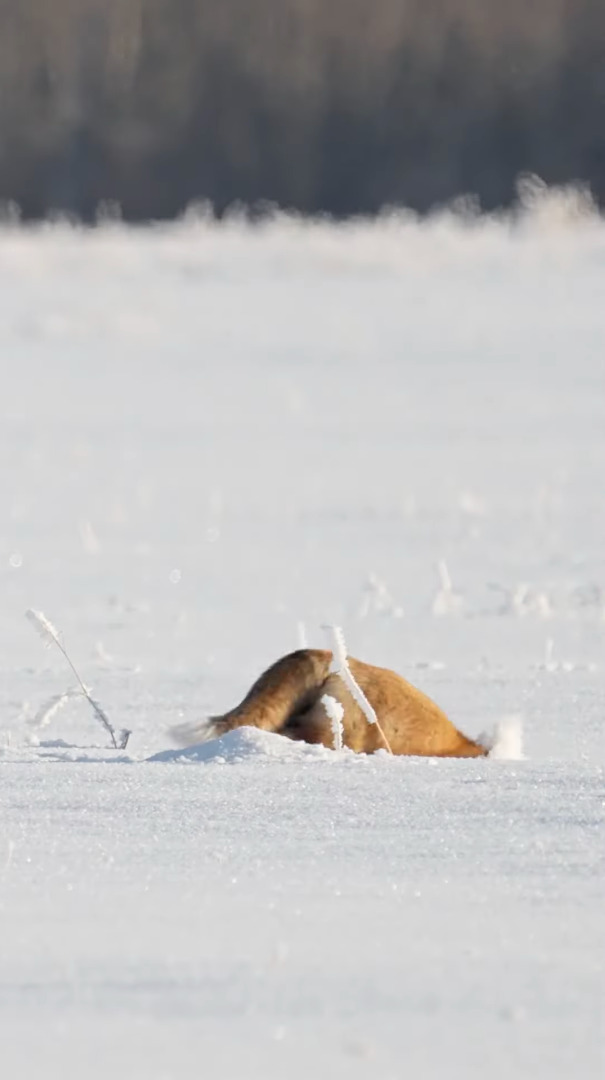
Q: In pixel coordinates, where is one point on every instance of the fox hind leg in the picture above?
(282, 696)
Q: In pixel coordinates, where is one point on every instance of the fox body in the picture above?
(286, 699)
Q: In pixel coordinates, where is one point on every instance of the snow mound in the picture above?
(245, 743)
(505, 742)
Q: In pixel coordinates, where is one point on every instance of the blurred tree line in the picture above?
(322, 105)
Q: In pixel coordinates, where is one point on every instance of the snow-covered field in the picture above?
(212, 441)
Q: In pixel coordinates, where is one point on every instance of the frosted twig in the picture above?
(50, 636)
(10, 850)
(549, 663)
(49, 708)
(527, 601)
(302, 635)
(342, 668)
(446, 600)
(376, 597)
(335, 712)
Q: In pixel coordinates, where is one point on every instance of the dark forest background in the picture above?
(340, 106)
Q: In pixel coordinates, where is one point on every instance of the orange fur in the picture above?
(287, 699)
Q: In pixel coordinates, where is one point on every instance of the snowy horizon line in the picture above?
(537, 204)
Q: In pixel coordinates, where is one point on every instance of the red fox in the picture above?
(286, 699)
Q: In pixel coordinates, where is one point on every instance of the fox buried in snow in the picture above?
(286, 699)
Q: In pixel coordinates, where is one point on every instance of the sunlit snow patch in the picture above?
(506, 740)
(245, 743)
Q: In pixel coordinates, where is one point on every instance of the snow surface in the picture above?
(214, 440)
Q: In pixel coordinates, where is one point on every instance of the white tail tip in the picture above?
(193, 732)
(505, 742)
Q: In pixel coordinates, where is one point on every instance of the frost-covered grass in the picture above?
(210, 438)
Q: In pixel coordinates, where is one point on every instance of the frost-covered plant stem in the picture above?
(342, 668)
(50, 635)
(49, 709)
(335, 712)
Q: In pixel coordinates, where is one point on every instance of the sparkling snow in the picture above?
(213, 441)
